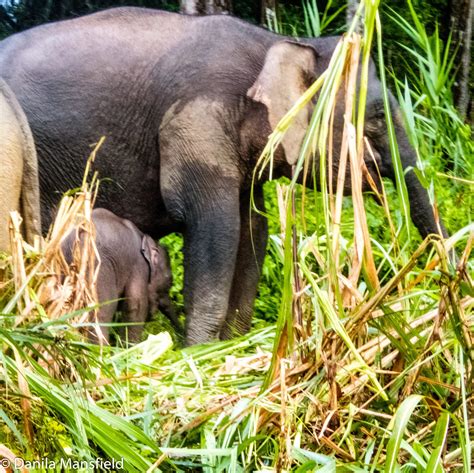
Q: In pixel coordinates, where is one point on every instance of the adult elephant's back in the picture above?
(81, 79)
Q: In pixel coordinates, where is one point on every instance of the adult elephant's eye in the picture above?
(376, 111)
(375, 121)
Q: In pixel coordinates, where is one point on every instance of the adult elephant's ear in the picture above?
(286, 74)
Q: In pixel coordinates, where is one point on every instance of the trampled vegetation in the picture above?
(361, 356)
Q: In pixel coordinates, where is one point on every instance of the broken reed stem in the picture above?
(18, 263)
(297, 309)
(364, 313)
(26, 396)
(356, 160)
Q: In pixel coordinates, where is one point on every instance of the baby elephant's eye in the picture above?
(376, 110)
(379, 115)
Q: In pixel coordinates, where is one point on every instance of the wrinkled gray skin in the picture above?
(132, 267)
(186, 104)
(19, 185)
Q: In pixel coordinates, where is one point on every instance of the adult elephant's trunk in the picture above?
(421, 209)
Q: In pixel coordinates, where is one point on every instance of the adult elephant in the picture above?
(19, 188)
(186, 104)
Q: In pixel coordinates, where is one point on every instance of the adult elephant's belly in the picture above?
(72, 96)
(127, 166)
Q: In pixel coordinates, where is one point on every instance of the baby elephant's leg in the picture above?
(106, 291)
(166, 307)
(136, 307)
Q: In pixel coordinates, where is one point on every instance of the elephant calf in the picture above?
(132, 267)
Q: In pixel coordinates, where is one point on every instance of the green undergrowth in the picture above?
(206, 407)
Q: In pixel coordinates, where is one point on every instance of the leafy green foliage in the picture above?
(303, 19)
(440, 137)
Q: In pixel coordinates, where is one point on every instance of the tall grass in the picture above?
(343, 324)
(369, 366)
(305, 20)
(442, 140)
(440, 130)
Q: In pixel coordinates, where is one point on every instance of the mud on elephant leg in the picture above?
(248, 268)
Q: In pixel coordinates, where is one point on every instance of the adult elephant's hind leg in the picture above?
(248, 268)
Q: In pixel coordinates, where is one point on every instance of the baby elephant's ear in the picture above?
(156, 256)
(149, 251)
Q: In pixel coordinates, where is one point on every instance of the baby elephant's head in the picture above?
(160, 279)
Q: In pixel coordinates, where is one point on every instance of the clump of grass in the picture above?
(305, 19)
(48, 287)
(340, 305)
(442, 140)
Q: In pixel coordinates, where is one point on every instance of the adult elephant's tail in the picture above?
(29, 204)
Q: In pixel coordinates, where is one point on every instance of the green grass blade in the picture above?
(397, 164)
(402, 416)
(439, 442)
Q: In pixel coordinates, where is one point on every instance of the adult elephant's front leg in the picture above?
(208, 205)
(248, 268)
(200, 186)
(210, 250)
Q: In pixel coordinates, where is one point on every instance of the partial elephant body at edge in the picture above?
(19, 186)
